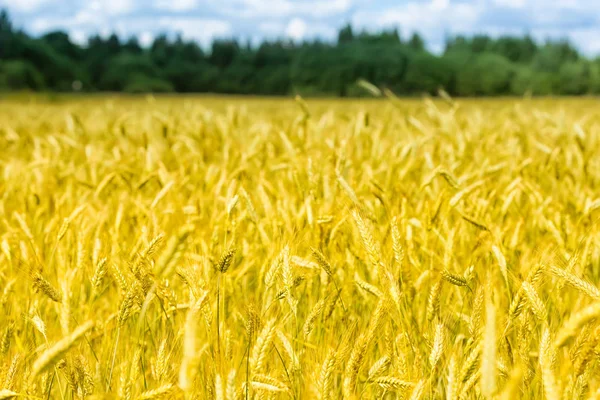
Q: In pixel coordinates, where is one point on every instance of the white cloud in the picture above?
(587, 40)
(510, 3)
(439, 4)
(202, 30)
(296, 29)
(146, 38)
(86, 23)
(40, 25)
(106, 8)
(176, 5)
(94, 17)
(85, 17)
(25, 6)
(284, 8)
(572, 4)
(583, 38)
(271, 28)
(78, 36)
(202, 20)
(117, 7)
(434, 20)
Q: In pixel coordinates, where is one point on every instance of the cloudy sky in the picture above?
(201, 20)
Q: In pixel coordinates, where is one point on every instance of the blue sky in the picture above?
(202, 20)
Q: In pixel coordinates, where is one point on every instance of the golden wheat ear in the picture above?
(53, 353)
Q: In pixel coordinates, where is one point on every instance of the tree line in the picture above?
(468, 66)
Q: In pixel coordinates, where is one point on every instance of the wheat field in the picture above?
(240, 248)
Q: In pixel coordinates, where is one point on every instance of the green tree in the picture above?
(161, 51)
(6, 34)
(98, 55)
(416, 42)
(58, 70)
(480, 43)
(575, 77)
(123, 68)
(223, 53)
(140, 83)
(61, 44)
(238, 76)
(470, 66)
(537, 83)
(390, 36)
(20, 75)
(427, 73)
(457, 44)
(272, 63)
(455, 61)
(132, 45)
(346, 34)
(488, 74)
(515, 49)
(551, 56)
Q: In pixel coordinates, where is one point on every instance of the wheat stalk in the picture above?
(53, 354)
(578, 283)
(575, 322)
(488, 351)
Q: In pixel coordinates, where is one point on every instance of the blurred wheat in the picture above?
(272, 249)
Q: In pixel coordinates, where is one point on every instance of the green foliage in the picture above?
(552, 56)
(20, 75)
(537, 83)
(223, 52)
(59, 72)
(7, 35)
(470, 66)
(61, 44)
(186, 76)
(488, 74)
(575, 77)
(140, 83)
(346, 34)
(515, 49)
(416, 42)
(124, 67)
(595, 77)
(427, 73)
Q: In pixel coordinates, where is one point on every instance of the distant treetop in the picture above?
(468, 66)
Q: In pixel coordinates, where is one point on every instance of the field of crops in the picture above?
(239, 248)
